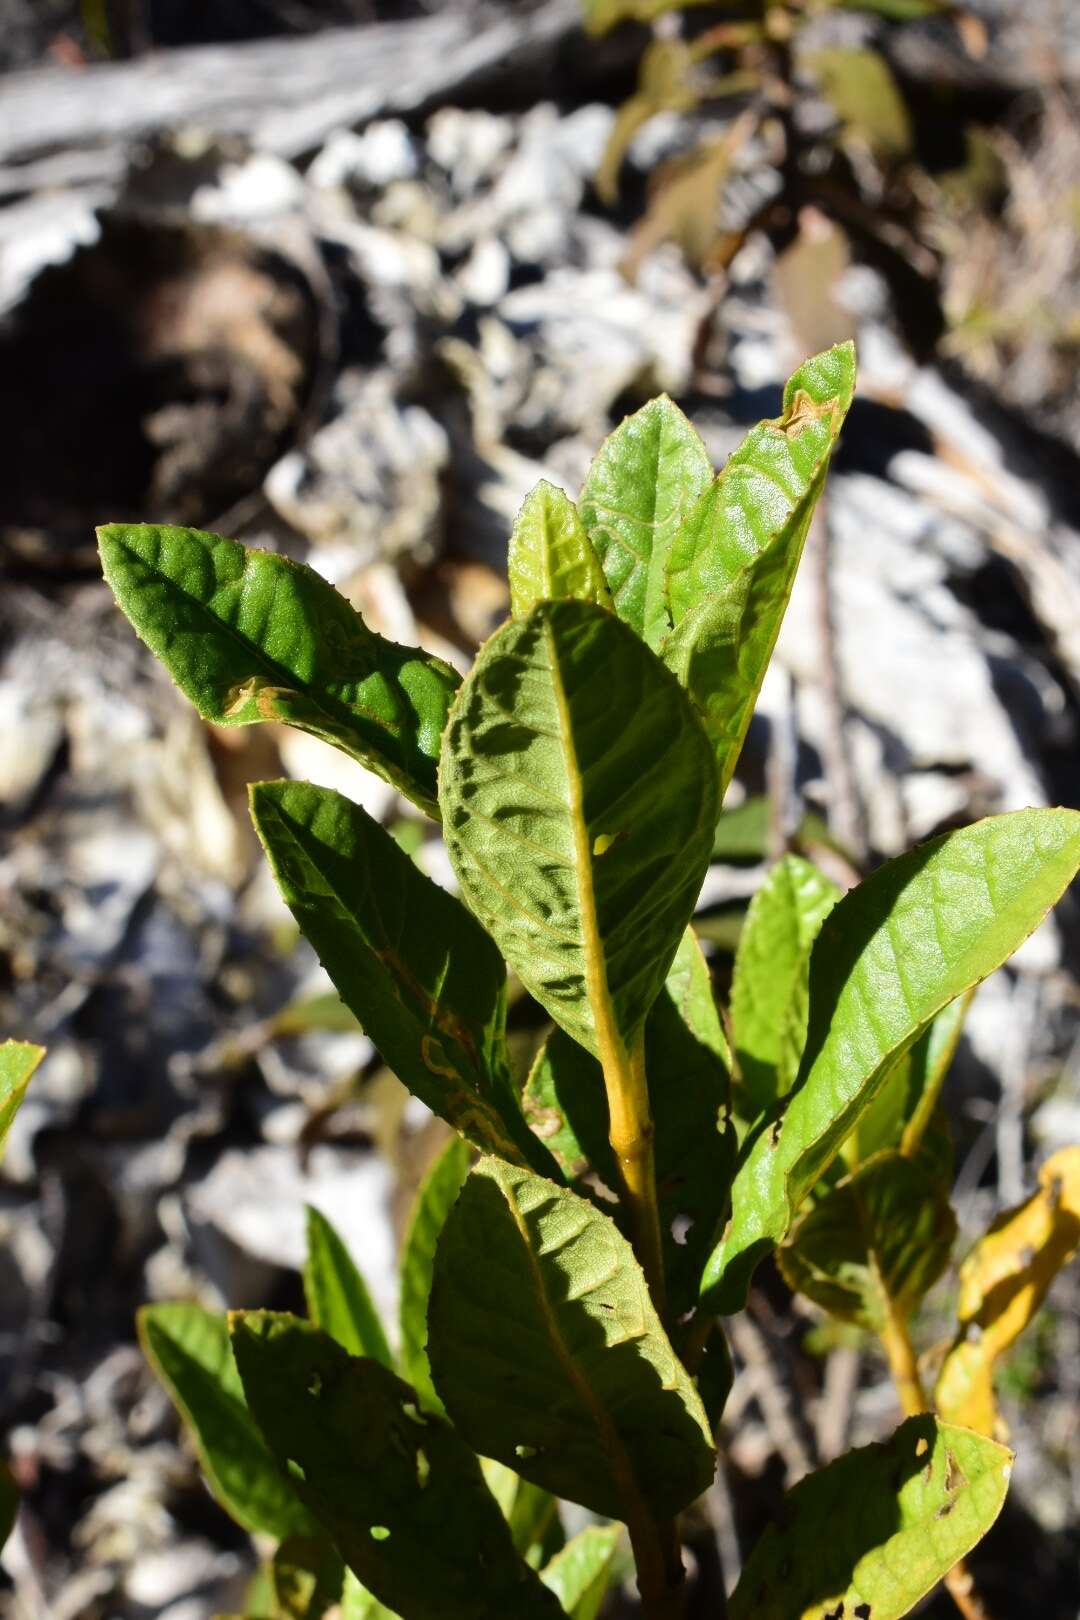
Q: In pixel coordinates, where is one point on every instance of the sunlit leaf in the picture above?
(643, 481)
(188, 1348)
(732, 563)
(18, 1060)
(400, 1494)
(873, 1532)
(251, 635)
(920, 931)
(425, 981)
(899, 1115)
(550, 1355)
(1003, 1282)
(579, 1574)
(551, 556)
(337, 1297)
(436, 1197)
(579, 799)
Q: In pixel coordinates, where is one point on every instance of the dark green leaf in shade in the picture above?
(425, 981)
(901, 1112)
(436, 1197)
(871, 1248)
(920, 931)
(251, 635)
(188, 1348)
(399, 1493)
(307, 1577)
(550, 1357)
(873, 1532)
(579, 800)
(644, 479)
(337, 1297)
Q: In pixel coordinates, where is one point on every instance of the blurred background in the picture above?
(344, 278)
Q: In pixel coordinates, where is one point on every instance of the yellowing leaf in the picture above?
(1003, 1282)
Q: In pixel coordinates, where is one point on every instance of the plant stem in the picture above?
(631, 1136)
(660, 1574)
(904, 1365)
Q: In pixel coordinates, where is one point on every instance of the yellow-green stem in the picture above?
(631, 1136)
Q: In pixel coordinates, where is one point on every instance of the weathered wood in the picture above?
(283, 95)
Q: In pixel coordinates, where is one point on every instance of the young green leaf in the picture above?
(1003, 1282)
(643, 481)
(873, 1246)
(551, 556)
(188, 1349)
(437, 1195)
(337, 1297)
(899, 1115)
(689, 985)
(422, 977)
(400, 1494)
(579, 799)
(734, 559)
(774, 952)
(18, 1060)
(693, 1144)
(550, 1355)
(579, 1574)
(876, 1530)
(919, 932)
(251, 635)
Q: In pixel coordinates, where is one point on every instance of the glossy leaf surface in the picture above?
(579, 1574)
(774, 952)
(734, 559)
(337, 1297)
(18, 1060)
(551, 556)
(251, 635)
(400, 1494)
(550, 1355)
(434, 1201)
(579, 799)
(1003, 1282)
(876, 1530)
(870, 1249)
(915, 935)
(189, 1350)
(643, 481)
(425, 981)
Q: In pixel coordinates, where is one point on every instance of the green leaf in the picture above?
(774, 953)
(865, 97)
(579, 799)
(437, 1195)
(400, 1494)
(579, 1574)
(742, 833)
(550, 1356)
(733, 561)
(423, 978)
(551, 556)
(251, 635)
(601, 15)
(189, 1351)
(644, 479)
(689, 984)
(876, 1242)
(357, 1603)
(307, 1576)
(899, 1115)
(337, 1297)
(900, 10)
(693, 1145)
(665, 84)
(18, 1060)
(919, 932)
(876, 1530)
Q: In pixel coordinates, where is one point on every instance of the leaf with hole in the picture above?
(870, 1249)
(579, 800)
(434, 1201)
(643, 481)
(188, 1348)
(399, 1493)
(920, 931)
(1003, 1282)
(337, 1296)
(873, 1532)
(551, 557)
(425, 981)
(550, 1356)
(251, 635)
